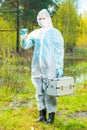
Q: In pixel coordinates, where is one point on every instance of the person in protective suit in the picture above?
(47, 61)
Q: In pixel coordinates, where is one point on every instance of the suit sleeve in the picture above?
(27, 41)
(59, 50)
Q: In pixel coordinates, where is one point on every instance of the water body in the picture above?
(77, 69)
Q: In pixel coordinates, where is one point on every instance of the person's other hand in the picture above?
(23, 32)
(59, 72)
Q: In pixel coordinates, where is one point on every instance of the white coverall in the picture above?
(47, 57)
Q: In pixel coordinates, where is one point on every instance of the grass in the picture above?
(18, 106)
(23, 117)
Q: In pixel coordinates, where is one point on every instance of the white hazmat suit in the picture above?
(47, 57)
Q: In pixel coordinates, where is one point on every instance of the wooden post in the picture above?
(17, 41)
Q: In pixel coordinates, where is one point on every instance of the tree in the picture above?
(82, 30)
(65, 19)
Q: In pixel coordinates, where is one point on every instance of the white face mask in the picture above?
(44, 23)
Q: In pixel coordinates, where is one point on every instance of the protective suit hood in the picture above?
(44, 19)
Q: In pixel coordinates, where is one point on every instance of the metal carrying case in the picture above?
(60, 86)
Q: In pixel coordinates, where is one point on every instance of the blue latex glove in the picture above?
(23, 32)
(59, 72)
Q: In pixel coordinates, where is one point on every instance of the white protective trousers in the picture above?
(44, 101)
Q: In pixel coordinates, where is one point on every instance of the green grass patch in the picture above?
(23, 117)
